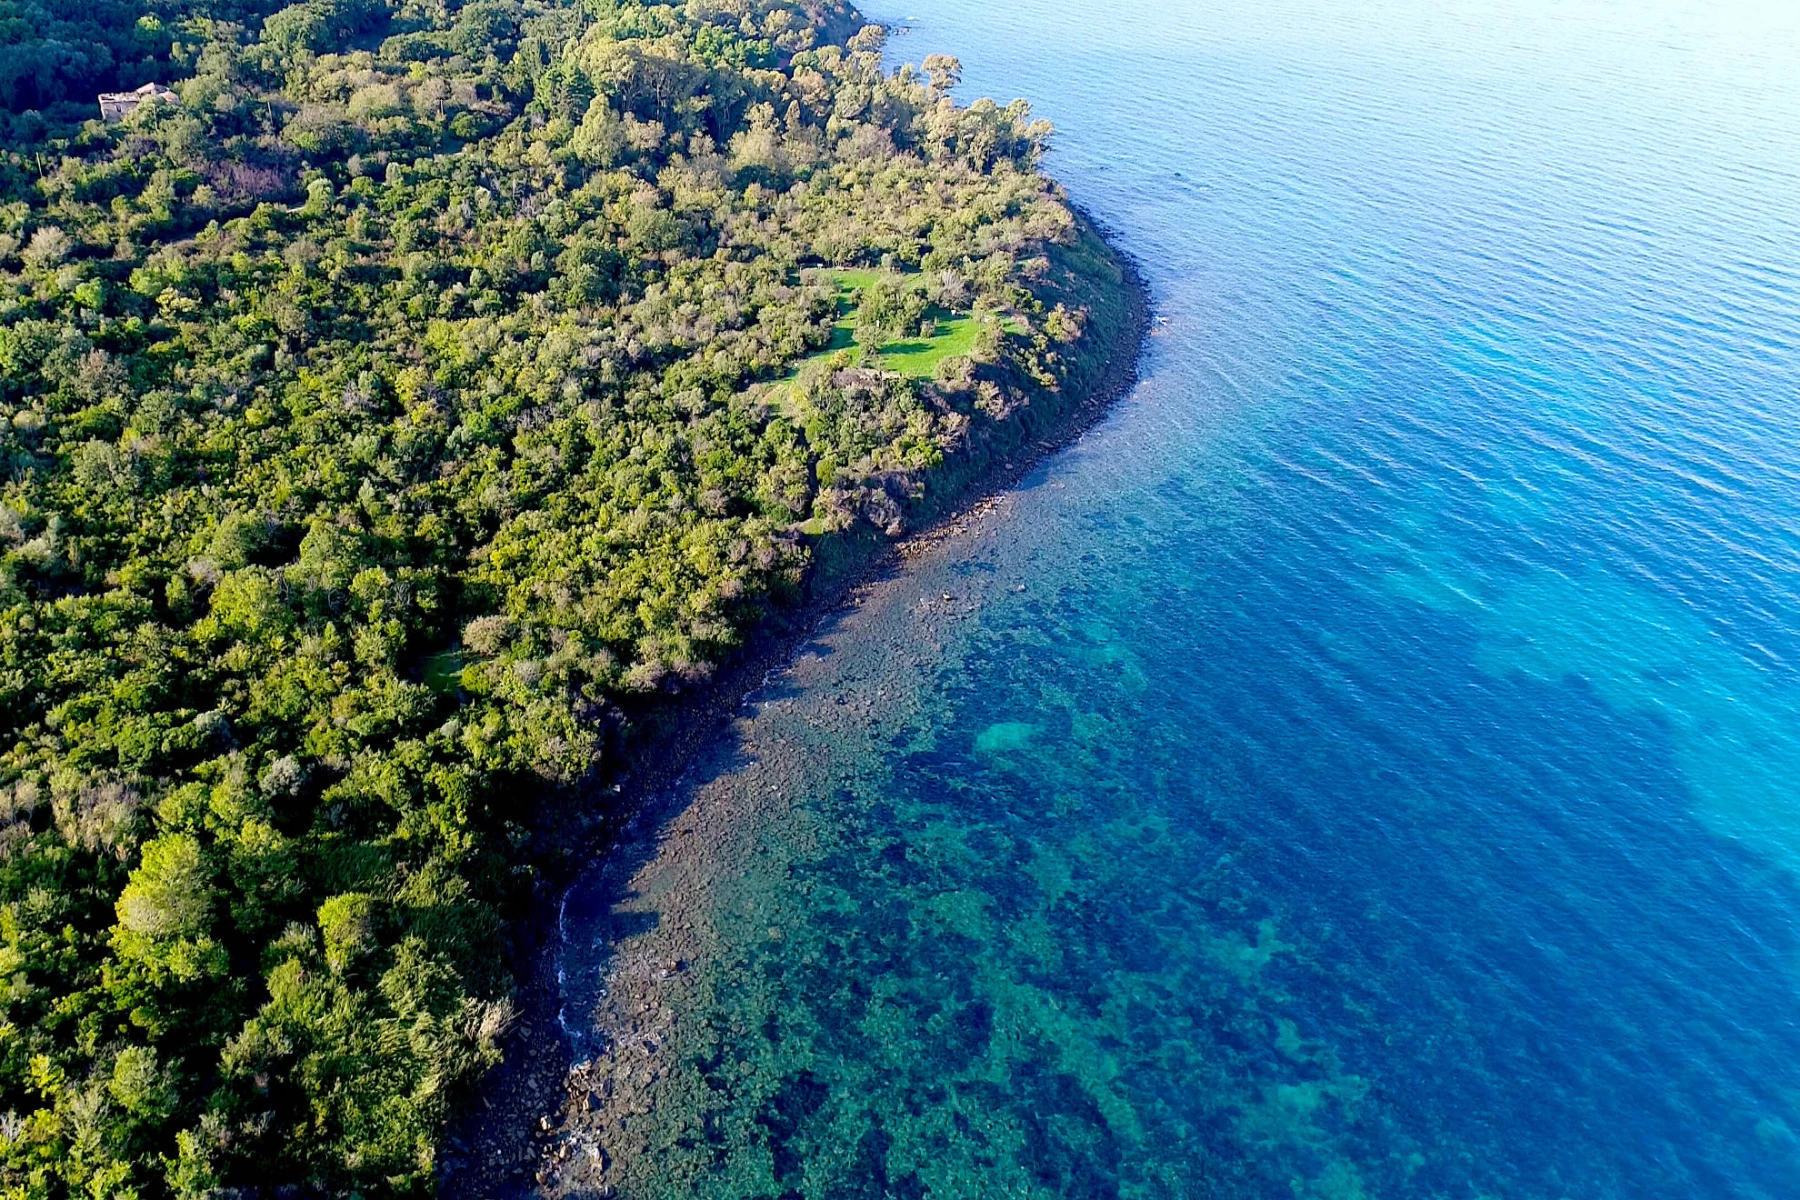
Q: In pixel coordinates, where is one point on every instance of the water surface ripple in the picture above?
(1369, 764)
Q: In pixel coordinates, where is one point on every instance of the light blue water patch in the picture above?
(1002, 736)
(1731, 724)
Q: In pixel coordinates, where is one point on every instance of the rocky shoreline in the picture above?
(554, 1118)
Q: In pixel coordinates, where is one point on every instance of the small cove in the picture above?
(1363, 765)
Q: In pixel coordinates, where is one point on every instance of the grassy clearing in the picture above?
(919, 357)
(915, 357)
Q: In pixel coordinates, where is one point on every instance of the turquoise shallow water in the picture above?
(1368, 764)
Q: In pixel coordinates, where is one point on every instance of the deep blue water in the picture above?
(1369, 763)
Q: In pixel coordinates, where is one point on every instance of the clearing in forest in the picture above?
(911, 354)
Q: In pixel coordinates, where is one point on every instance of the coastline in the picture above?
(515, 1131)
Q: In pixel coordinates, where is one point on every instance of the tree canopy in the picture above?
(384, 424)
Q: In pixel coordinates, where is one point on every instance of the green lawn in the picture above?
(919, 357)
(915, 357)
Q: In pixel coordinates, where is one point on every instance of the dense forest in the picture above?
(385, 421)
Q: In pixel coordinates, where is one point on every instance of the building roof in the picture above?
(117, 104)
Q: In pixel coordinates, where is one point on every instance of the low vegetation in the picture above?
(386, 423)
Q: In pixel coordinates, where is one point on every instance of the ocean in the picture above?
(1366, 764)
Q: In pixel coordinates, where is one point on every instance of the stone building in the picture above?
(117, 105)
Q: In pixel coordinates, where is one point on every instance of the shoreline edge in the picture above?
(495, 1147)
